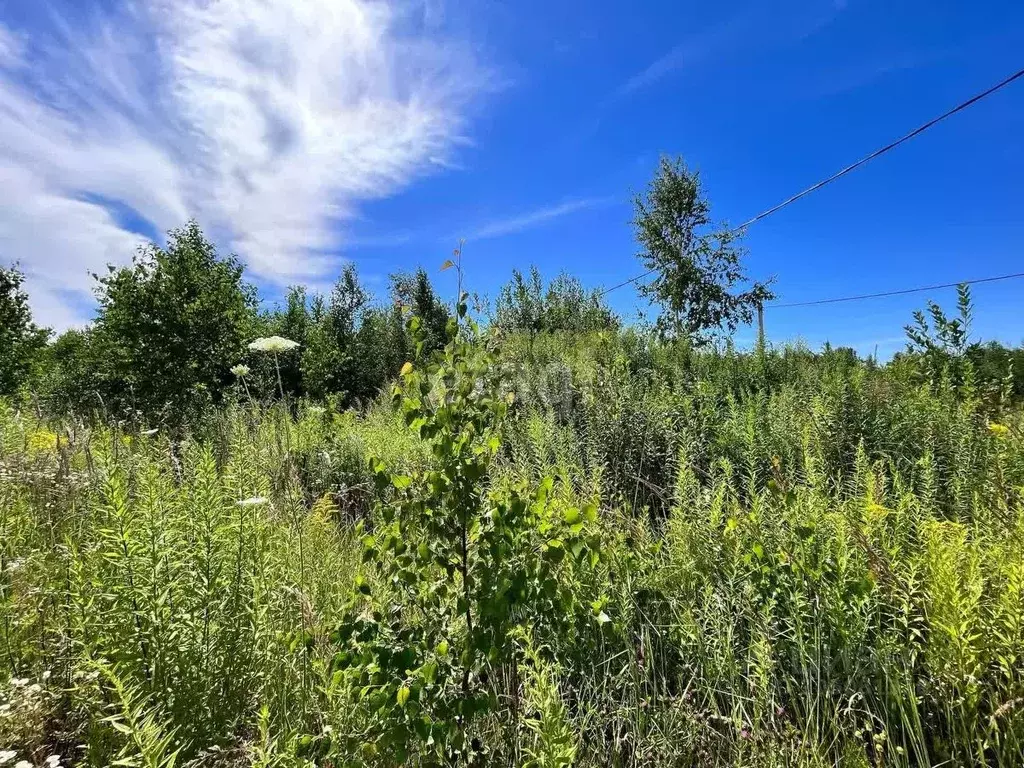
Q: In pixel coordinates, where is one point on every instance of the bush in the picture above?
(21, 342)
(169, 329)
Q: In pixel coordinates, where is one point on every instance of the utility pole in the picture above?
(760, 325)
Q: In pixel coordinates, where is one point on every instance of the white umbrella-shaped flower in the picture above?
(255, 501)
(275, 345)
(240, 371)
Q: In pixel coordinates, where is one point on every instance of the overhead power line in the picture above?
(895, 293)
(852, 167)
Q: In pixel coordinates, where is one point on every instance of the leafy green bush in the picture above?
(168, 329)
(524, 305)
(21, 342)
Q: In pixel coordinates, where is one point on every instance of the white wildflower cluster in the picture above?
(24, 708)
(273, 344)
(7, 756)
(241, 371)
(255, 501)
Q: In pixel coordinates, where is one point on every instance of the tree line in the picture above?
(170, 337)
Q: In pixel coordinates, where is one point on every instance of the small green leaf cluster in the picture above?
(942, 347)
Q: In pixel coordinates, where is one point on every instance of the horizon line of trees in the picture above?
(170, 327)
(171, 332)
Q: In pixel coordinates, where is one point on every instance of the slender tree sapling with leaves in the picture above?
(942, 346)
(696, 260)
(475, 566)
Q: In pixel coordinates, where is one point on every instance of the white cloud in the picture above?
(710, 43)
(10, 49)
(270, 121)
(755, 28)
(536, 218)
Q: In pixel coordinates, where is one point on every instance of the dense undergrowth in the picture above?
(555, 550)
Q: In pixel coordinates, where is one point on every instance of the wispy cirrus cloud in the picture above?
(10, 48)
(535, 218)
(751, 28)
(689, 52)
(865, 72)
(270, 121)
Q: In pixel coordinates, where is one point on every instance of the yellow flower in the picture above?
(42, 441)
(999, 430)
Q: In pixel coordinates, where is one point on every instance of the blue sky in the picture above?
(302, 135)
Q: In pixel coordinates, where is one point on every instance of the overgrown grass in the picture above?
(805, 560)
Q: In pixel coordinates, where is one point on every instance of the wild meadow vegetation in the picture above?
(549, 539)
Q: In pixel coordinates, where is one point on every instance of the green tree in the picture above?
(568, 306)
(354, 348)
(696, 260)
(320, 356)
(330, 363)
(170, 326)
(21, 341)
(69, 373)
(565, 305)
(415, 292)
(294, 323)
(520, 304)
(381, 347)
